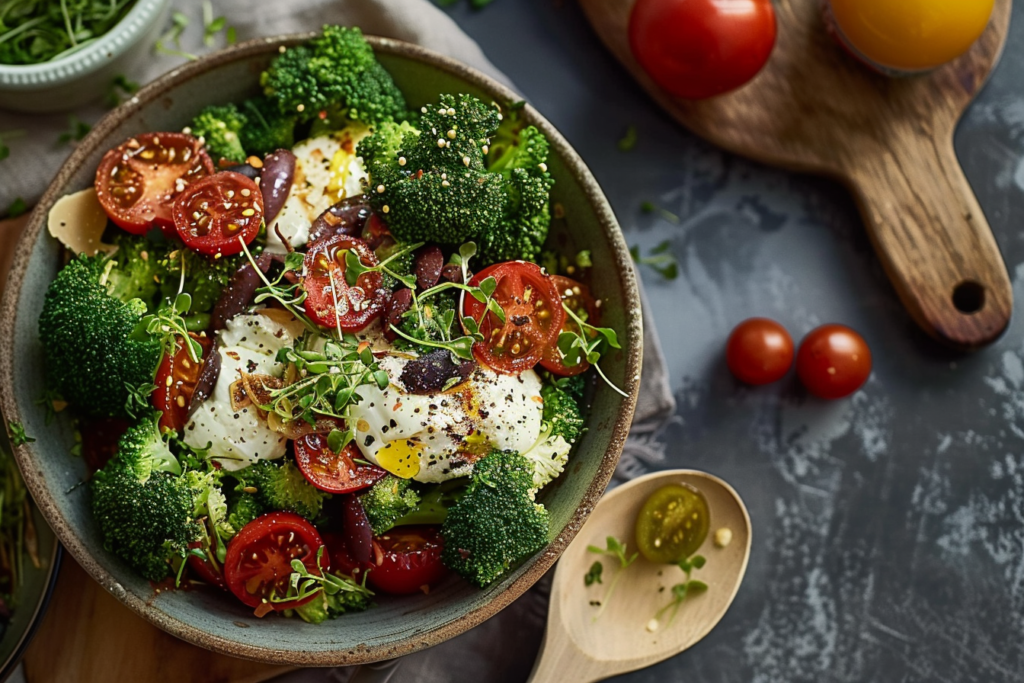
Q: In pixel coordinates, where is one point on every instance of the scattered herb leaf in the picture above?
(594, 575)
(120, 88)
(18, 435)
(77, 129)
(681, 591)
(179, 22)
(5, 138)
(17, 208)
(617, 549)
(661, 259)
(628, 141)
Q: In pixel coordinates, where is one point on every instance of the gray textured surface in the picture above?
(887, 528)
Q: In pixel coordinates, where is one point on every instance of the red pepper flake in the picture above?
(397, 406)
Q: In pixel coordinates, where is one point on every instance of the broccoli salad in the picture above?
(315, 344)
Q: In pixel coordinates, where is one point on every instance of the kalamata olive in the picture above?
(398, 304)
(453, 273)
(248, 170)
(239, 292)
(207, 380)
(276, 179)
(358, 535)
(431, 372)
(427, 265)
(347, 217)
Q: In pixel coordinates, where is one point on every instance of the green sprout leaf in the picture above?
(17, 433)
(594, 575)
(628, 141)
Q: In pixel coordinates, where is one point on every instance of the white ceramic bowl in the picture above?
(85, 75)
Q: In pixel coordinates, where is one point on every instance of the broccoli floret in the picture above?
(335, 69)
(205, 278)
(497, 523)
(144, 508)
(268, 129)
(211, 505)
(520, 156)
(562, 413)
(436, 186)
(131, 269)
(281, 486)
(387, 501)
(243, 510)
(435, 503)
(428, 320)
(221, 128)
(401, 264)
(91, 356)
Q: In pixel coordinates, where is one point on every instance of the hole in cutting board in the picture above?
(969, 296)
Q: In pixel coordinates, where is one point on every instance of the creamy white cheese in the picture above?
(438, 436)
(237, 439)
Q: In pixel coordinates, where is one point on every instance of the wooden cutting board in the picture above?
(87, 636)
(813, 108)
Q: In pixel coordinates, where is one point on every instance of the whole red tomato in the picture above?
(702, 48)
(759, 351)
(833, 361)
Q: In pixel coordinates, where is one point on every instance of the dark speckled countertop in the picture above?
(888, 528)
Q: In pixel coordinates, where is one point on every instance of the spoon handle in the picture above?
(561, 660)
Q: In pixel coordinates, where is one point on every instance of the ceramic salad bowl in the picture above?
(396, 625)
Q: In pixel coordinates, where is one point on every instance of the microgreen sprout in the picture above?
(618, 550)
(593, 575)
(34, 32)
(651, 207)
(120, 88)
(211, 25)
(661, 259)
(354, 267)
(681, 591)
(305, 584)
(585, 343)
(17, 433)
(179, 22)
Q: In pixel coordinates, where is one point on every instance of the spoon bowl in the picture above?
(594, 647)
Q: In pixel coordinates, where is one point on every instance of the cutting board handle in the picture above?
(932, 237)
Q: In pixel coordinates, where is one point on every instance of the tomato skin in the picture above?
(211, 214)
(833, 361)
(759, 351)
(183, 373)
(324, 269)
(701, 48)
(138, 181)
(330, 471)
(412, 559)
(533, 316)
(258, 561)
(576, 296)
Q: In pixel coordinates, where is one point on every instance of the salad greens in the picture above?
(37, 31)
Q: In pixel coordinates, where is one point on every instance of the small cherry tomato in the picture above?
(341, 558)
(257, 568)
(176, 381)
(759, 351)
(411, 562)
(330, 300)
(533, 316)
(330, 471)
(138, 181)
(909, 35)
(578, 298)
(833, 361)
(212, 214)
(672, 523)
(701, 48)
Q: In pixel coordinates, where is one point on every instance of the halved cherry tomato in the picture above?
(533, 316)
(330, 471)
(205, 568)
(258, 563)
(341, 559)
(330, 300)
(176, 380)
(833, 361)
(411, 562)
(213, 213)
(702, 48)
(759, 351)
(578, 298)
(138, 181)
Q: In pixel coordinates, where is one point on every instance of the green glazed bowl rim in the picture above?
(89, 59)
(536, 567)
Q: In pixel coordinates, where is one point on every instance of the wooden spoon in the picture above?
(581, 649)
(815, 109)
